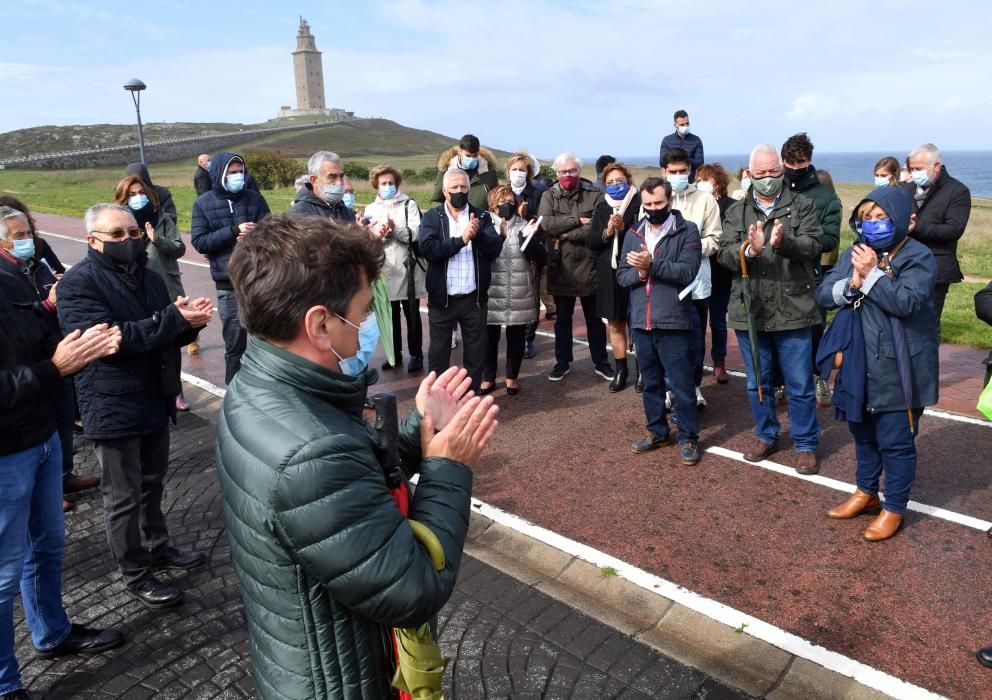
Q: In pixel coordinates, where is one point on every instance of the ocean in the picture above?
(973, 168)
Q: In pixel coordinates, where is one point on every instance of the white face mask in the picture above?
(705, 186)
(518, 178)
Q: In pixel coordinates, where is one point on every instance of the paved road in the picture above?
(505, 638)
(915, 607)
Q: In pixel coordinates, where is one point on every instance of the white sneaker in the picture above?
(700, 399)
(668, 400)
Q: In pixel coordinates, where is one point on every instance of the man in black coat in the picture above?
(165, 201)
(127, 400)
(458, 241)
(221, 217)
(33, 362)
(201, 178)
(943, 206)
(323, 195)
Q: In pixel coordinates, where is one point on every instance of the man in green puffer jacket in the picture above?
(326, 560)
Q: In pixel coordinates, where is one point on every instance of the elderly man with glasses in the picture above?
(566, 210)
(126, 400)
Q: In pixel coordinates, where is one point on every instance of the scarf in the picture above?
(619, 207)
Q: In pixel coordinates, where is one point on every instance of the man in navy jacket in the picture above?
(458, 242)
(681, 138)
(221, 217)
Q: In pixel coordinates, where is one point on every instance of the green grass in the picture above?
(608, 572)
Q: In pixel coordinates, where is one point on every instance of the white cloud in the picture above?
(812, 106)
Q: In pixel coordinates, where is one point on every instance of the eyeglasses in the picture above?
(570, 171)
(119, 233)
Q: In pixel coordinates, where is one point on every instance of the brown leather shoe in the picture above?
(193, 348)
(807, 464)
(858, 503)
(67, 506)
(760, 450)
(80, 483)
(883, 527)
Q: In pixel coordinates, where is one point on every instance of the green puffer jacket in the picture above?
(828, 211)
(783, 281)
(326, 562)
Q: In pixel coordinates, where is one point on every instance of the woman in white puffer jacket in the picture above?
(396, 218)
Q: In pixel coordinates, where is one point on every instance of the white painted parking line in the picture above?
(79, 240)
(933, 511)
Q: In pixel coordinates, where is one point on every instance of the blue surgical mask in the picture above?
(368, 338)
(348, 200)
(881, 181)
(235, 182)
(332, 194)
(682, 130)
(617, 190)
(469, 163)
(207, 166)
(678, 182)
(137, 201)
(878, 234)
(921, 178)
(23, 249)
(387, 191)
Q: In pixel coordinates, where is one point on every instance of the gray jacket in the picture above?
(513, 289)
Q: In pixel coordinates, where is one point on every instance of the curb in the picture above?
(733, 656)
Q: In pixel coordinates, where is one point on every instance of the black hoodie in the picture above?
(166, 204)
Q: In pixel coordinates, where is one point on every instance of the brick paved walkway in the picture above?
(505, 638)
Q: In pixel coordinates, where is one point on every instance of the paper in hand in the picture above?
(688, 290)
(529, 230)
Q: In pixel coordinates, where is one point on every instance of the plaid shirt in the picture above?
(461, 266)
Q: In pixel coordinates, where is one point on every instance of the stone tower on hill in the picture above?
(309, 71)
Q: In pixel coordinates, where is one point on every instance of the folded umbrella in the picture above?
(383, 309)
(752, 331)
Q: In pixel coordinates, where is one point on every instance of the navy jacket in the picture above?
(691, 144)
(654, 300)
(217, 215)
(437, 246)
(133, 391)
(906, 295)
(309, 204)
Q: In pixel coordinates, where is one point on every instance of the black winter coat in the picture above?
(133, 391)
(611, 298)
(217, 215)
(309, 204)
(940, 221)
(29, 381)
(437, 247)
(201, 180)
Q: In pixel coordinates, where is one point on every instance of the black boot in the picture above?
(619, 382)
(638, 381)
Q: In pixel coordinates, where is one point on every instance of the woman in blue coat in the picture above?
(886, 334)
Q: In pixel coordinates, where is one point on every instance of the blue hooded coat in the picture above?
(217, 215)
(905, 295)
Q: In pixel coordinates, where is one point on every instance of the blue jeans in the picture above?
(235, 337)
(32, 534)
(661, 356)
(794, 355)
(884, 442)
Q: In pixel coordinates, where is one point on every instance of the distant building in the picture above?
(309, 70)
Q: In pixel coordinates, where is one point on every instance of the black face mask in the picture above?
(658, 216)
(124, 252)
(458, 199)
(506, 211)
(796, 174)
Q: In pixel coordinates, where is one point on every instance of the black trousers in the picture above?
(133, 473)
(414, 328)
(939, 297)
(595, 329)
(515, 337)
(65, 415)
(464, 311)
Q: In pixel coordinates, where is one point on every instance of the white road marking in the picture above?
(942, 513)
(79, 240)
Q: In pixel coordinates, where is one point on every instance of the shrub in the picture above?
(410, 175)
(428, 174)
(272, 169)
(357, 173)
(549, 172)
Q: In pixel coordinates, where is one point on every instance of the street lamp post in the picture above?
(135, 86)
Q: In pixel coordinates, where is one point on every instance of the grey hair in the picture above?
(452, 172)
(932, 153)
(317, 160)
(93, 213)
(10, 213)
(302, 180)
(567, 157)
(763, 148)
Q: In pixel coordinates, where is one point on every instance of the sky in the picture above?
(585, 76)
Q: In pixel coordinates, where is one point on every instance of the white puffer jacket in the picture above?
(513, 297)
(406, 223)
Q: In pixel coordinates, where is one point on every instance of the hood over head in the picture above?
(139, 170)
(897, 203)
(218, 166)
